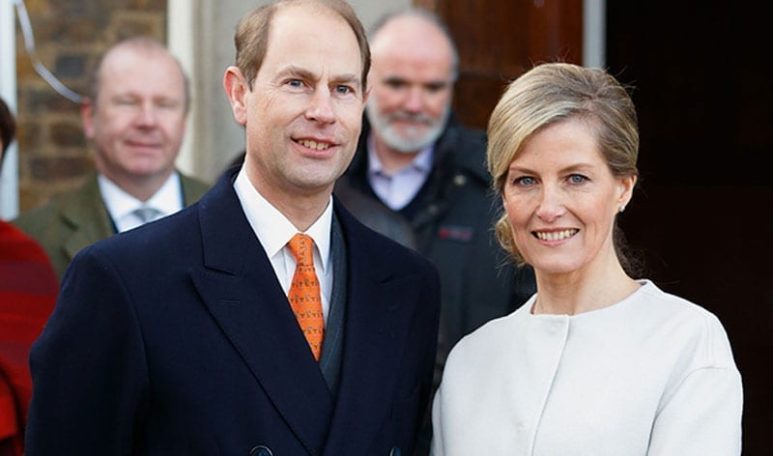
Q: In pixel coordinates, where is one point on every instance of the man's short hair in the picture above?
(251, 38)
(142, 43)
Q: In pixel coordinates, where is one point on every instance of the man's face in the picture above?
(412, 81)
(138, 120)
(304, 111)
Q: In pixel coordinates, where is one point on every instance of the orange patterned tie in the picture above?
(304, 295)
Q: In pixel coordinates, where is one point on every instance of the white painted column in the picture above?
(180, 31)
(594, 37)
(9, 179)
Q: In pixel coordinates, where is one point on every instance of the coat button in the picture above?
(261, 450)
(395, 452)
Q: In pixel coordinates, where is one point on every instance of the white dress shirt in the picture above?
(121, 205)
(274, 231)
(397, 189)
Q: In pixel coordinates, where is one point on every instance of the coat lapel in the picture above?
(240, 289)
(379, 308)
(87, 217)
(192, 190)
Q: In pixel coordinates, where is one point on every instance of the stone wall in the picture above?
(70, 36)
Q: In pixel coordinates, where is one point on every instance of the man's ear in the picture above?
(370, 79)
(87, 109)
(236, 89)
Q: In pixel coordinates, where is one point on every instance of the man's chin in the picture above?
(149, 172)
(408, 144)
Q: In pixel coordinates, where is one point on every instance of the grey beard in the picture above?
(406, 144)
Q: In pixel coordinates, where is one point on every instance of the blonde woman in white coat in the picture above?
(596, 363)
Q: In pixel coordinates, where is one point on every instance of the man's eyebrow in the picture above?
(303, 73)
(432, 84)
(352, 79)
(292, 70)
(437, 84)
(167, 99)
(395, 79)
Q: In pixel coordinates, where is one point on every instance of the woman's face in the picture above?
(561, 199)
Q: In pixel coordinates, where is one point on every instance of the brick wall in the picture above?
(70, 36)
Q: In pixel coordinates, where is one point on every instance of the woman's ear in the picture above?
(626, 186)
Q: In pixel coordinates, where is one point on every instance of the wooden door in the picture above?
(701, 216)
(500, 39)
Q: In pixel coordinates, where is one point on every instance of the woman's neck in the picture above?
(584, 290)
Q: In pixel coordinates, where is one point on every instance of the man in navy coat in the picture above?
(178, 338)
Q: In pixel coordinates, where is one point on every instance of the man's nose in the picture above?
(320, 107)
(147, 115)
(414, 100)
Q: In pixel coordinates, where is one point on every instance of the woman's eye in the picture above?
(577, 179)
(524, 181)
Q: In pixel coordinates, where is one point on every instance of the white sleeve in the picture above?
(437, 425)
(702, 417)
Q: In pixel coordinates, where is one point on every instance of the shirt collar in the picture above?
(273, 229)
(422, 162)
(119, 203)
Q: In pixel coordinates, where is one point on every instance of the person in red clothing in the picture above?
(28, 288)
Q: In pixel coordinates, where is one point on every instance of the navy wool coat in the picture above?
(176, 338)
